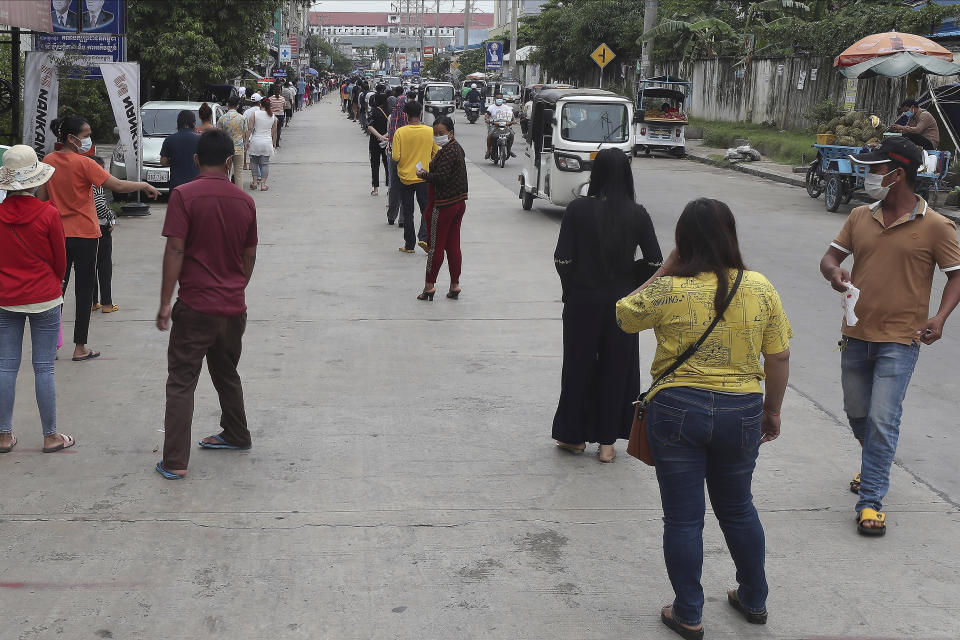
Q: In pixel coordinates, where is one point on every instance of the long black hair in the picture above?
(611, 182)
(69, 126)
(706, 239)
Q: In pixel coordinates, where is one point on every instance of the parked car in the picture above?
(159, 121)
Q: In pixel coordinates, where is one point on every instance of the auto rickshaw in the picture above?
(567, 128)
(438, 100)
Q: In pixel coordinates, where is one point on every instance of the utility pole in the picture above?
(514, 10)
(649, 22)
(436, 40)
(422, 5)
(466, 26)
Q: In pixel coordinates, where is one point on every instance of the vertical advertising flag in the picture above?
(41, 93)
(123, 88)
(494, 56)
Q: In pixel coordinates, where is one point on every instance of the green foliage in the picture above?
(184, 45)
(471, 62)
(382, 52)
(567, 31)
(824, 112)
(437, 67)
(319, 47)
(785, 147)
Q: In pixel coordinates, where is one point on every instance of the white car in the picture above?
(159, 121)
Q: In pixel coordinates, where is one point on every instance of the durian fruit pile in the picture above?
(855, 130)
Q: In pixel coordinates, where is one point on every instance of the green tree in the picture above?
(472, 61)
(437, 66)
(382, 53)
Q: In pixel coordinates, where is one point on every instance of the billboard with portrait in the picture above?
(87, 16)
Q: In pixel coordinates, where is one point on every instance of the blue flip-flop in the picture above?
(167, 474)
(221, 444)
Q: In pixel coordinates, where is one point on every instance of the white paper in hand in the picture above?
(849, 303)
(419, 166)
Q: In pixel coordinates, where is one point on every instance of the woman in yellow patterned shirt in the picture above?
(706, 421)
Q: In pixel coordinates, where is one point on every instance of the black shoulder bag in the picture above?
(638, 446)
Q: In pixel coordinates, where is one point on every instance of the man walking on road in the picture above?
(211, 231)
(895, 243)
(235, 126)
(413, 145)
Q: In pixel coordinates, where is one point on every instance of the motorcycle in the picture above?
(473, 111)
(501, 147)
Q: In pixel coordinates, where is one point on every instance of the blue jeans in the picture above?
(698, 435)
(44, 331)
(875, 376)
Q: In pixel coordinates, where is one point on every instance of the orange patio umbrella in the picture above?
(888, 44)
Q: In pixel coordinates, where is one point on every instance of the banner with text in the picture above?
(123, 87)
(41, 93)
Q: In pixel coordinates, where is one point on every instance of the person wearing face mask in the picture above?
(446, 204)
(920, 127)
(501, 112)
(895, 244)
(71, 192)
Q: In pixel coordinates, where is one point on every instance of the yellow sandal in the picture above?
(868, 514)
(855, 484)
(110, 308)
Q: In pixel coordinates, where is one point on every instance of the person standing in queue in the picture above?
(707, 413)
(278, 107)
(377, 128)
(178, 150)
(413, 145)
(211, 231)
(70, 189)
(235, 126)
(446, 205)
(264, 130)
(595, 258)
(206, 119)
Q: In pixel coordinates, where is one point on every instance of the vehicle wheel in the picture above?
(646, 152)
(679, 152)
(834, 193)
(815, 182)
(636, 153)
(526, 199)
(503, 158)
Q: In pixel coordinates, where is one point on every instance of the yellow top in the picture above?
(680, 309)
(413, 143)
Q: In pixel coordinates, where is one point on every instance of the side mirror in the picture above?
(639, 115)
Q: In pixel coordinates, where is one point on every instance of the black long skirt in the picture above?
(601, 376)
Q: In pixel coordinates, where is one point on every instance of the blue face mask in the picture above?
(908, 114)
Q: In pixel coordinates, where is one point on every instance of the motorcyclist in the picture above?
(474, 96)
(498, 111)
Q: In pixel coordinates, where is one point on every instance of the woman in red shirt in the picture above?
(32, 264)
(71, 192)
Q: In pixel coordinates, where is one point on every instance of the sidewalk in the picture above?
(402, 482)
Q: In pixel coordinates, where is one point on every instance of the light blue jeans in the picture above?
(44, 330)
(875, 376)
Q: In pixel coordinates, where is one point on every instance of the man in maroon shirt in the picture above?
(211, 231)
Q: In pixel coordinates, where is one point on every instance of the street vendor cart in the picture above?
(657, 128)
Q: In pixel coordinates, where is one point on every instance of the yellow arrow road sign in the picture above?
(603, 55)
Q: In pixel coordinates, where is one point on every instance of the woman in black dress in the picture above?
(595, 258)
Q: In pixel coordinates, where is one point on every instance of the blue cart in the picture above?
(836, 176)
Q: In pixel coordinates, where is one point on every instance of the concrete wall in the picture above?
(770, 91)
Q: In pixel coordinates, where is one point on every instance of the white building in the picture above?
(502, 18)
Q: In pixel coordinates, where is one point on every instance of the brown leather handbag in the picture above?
(638, 446)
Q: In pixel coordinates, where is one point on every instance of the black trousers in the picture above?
(377, 155)
(280, 120)
(919, 140)
(393, 196)
(407, 194)
(82, 256)
(104, 294)
(601, 376)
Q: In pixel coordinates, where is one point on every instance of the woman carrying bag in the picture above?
(706, 418)
(595, 258)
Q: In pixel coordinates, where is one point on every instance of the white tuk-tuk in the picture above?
(567, 128)
(439, 99)
(661, 116)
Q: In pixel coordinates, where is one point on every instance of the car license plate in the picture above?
(593, 155)
(157, 176)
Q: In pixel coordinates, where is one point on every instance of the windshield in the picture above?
(161, 122)
(592, 122)
(510, 90)
(391, 81)
(439, 94)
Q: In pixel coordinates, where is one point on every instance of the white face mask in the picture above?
(441, 140)
(499, 101)
(872, 182)
(85, 144)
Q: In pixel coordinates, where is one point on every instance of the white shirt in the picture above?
(500, 112)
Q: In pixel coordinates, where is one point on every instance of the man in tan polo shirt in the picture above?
(921, 127)
(896, 243)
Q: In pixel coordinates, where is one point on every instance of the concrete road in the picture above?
(403, 483)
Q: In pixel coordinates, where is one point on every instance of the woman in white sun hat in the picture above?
(33, 262)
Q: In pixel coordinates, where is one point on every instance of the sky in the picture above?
(446, 6)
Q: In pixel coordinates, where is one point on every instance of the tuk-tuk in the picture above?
(567, 128)
(479, 79)
(439, 99)
(511, 91)
(661, 116)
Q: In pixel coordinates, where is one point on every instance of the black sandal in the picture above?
(750, 616)
(679, 629)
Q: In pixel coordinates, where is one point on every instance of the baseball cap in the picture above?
(895, 149)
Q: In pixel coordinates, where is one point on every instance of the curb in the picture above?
(753, 171)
